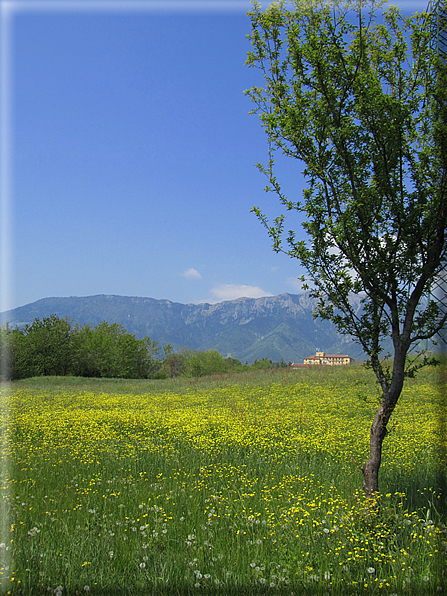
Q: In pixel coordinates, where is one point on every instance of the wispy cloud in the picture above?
(232, 291)
(297, 284)
(191, 274)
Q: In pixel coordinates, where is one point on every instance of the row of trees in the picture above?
(56, 346)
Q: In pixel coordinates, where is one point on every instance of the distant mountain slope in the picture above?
(274, 327)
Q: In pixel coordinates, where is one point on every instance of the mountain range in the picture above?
(272, 327)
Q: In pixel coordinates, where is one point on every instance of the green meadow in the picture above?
(234, 484)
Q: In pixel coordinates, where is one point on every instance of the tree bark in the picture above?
(391, 392)
(371, 467)
(379, 426)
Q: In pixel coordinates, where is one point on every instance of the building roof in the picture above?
(327, 356)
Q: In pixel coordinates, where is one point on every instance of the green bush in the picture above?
(53, 347)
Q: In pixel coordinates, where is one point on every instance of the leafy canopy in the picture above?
(360, 101)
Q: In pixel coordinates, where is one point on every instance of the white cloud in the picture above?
(232, 291)
(297, 284)
(191, 274)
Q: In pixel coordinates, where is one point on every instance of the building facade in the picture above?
(328, 359)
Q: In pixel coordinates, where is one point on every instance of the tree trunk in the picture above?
(391, 393)
(379, 431)
(371, 468)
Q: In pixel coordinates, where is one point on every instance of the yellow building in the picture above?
(328, 359)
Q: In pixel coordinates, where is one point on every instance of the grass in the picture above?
(242, 484)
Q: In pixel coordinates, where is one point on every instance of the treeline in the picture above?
(56, 346)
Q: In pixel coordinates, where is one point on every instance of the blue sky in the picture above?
(130, 154)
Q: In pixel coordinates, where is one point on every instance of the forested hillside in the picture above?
(59, 347)
(274, 327)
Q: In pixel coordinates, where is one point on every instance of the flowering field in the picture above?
(235, 486)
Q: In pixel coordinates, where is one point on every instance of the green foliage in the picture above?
(263, 364)
(281, 364)
(359, 99)
(42, 348)
(372, 133)
(5, 352)
(201, 364)
(274, 331)
(110, 351)
(174, 364)
(53, 347)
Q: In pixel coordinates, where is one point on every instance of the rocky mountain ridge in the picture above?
(271, 327)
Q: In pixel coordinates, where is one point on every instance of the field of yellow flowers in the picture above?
(237, 485)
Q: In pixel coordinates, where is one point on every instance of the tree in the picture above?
(203, 364)
(20, 358)
(42, 348)
(111, 351)
(359, 99)
(232, 364)
(263, 364)
(155, 356)
(174, 364)
(6, 342)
